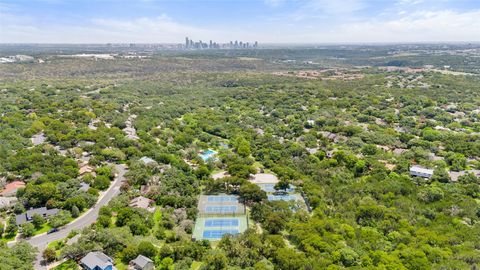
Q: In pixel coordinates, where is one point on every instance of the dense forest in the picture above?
(345, 145)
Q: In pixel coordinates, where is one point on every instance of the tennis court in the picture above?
(221, 222)
(220, 209)
(217, 234)
(282, 197)
(221, 198)
(270, 188)
(222, 204)
(214, 228)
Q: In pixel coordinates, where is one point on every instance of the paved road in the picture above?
(41, 241)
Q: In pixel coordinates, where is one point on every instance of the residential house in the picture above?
(144, 189)
(141, 202)
(97, 260)
(28, 216)
(421, 171)
(141, 263)
(455, 175)
(84, 187)
(7, 202)
(147, 161)
(399, 151)
(84, 169)
(384, 147)
(10, 190)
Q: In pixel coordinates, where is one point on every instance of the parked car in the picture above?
(52, 230)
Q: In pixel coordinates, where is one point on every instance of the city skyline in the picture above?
(267, 21)
(191, 44)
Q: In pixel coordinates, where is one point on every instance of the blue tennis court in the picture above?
(223, 222)
(222, 199)
(221, 209)
(269, 187)
(281, 198)
(217, 234)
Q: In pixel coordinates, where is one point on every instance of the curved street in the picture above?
(41, 241)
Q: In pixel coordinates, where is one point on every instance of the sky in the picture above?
(265, 21)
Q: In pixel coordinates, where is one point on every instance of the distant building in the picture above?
(10, 190)
(421, 171)
(97, 260)
(28, 216)
(141, 263)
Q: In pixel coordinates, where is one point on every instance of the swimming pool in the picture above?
(207, 154)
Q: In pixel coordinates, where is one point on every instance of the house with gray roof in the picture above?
(141, 263)
(147, 161)
(421, 171)
(28, 216)
(97, 260)
(84, 187)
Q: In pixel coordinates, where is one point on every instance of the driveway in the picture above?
(41, 241)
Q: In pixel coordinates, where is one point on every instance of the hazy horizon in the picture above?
(266, 21)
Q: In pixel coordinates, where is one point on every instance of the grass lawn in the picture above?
(216, 170)
(8, 239)
(196, 265)
(120, 265)
(45, 227)
(113, 221)
(57, 244)
(157, 216)
(68, 265)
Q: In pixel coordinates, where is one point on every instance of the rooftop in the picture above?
(42, 211)
(97, 260)
(147, 160)
(141, 261)
(140, 202)
(420, 169)
(12, 188)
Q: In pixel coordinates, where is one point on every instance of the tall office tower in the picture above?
(187, 43)
(211, 44)
(256, 44)
(236, 44)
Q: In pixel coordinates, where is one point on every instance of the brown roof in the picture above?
(140, 202)
(85, 169)
(11, 188)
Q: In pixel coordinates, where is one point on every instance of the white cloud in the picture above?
(409, 2)
(342, 24)
(273, 3)
(139, 30)
(422, 26)
(323, 8)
